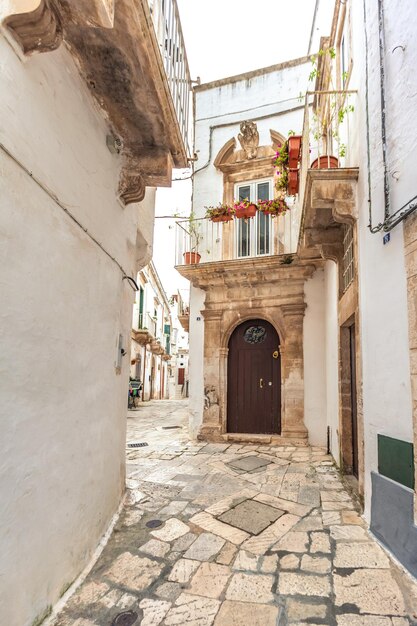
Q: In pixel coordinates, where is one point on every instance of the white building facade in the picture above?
(343, 311)
(152, 336)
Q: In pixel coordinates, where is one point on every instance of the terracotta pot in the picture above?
(191, 258)
(294, 149)
(325, 163)
(245, 212)
(222, 218)
(292, 187)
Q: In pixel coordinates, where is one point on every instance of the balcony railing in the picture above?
(329, 132)
(168, 31)
(261, 236)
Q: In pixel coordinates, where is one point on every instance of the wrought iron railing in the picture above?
(167, 24)
(348, 266)
(260, 236)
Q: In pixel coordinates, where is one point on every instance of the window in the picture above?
(254, 236)
(141, 303)
(348, 267)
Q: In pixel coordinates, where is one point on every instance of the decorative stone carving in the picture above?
(35, 26)
(131, 184)
(210, 396)
(249, 139)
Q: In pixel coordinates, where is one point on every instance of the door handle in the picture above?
(261, 383)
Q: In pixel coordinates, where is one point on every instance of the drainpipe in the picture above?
(381, 32)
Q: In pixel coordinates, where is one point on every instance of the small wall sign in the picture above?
(386, 238)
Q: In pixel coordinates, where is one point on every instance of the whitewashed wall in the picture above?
(331, 289)
(314, 344)
(382, 281)
(63, 404)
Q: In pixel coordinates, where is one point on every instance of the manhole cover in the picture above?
(154, 523)
(249, 463)
(139, 444)
(170, 427)
(251, 516)
(127, 618)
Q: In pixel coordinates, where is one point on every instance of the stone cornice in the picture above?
(248, 271)
(116, 50)
(329, 200)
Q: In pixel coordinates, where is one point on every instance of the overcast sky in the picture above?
(223, 38)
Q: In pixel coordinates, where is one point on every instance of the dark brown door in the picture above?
(254, 379)
(353, 399)
(181, 375)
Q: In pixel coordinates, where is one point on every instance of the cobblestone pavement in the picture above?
(250, 534)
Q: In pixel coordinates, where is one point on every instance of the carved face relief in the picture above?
(249, 139)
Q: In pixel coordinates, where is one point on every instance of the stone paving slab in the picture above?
(250, 535)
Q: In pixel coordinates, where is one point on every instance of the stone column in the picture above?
(292, 424)
(211, 426)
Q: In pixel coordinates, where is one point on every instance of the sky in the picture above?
(224, 38)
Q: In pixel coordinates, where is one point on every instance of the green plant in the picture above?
(287, 259)
(194, 230)
(275, 207)
(222, 210)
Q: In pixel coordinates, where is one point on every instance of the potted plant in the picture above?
(221, 213)
(274, 207)
(294, 150)
(192, 257)
(325, 162)
(293, 182)
(245, 209)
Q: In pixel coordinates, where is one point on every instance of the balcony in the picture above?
(328, 172)
(132, 58)
(238, 240)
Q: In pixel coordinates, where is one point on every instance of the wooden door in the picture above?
(254, 379)
(353, 398)
(181, 375)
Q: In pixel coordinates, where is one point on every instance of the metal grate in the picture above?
(138, 444)
(348, 257)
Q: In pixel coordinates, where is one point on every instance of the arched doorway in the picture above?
(254, 379)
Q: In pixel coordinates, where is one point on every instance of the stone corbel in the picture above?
(131, 184)
(31, 25)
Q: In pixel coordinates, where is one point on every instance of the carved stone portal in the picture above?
(249, 139)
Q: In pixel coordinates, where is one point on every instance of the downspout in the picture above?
(381, 32)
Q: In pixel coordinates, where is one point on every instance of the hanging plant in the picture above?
(275, 207)
(245, 209)
(221, 213)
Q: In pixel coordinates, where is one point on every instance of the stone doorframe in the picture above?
(237, 291)
(288, 322)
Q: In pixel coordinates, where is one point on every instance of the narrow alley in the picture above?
(236, 535)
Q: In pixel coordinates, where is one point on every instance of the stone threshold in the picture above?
(271, 440)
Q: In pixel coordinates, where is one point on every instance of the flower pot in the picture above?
(325, 163)
(222, 218)
(191, 258)
(292, 188)
(245, 212)
(294, 148)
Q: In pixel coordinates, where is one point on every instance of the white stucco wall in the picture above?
(196, 359)
(272, 100)
(382, 280)
(314, 344)
(331, 287)
(64, 304)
